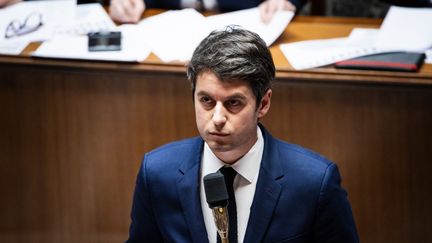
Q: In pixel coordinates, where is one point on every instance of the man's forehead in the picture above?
(231, 87)
(206, 77)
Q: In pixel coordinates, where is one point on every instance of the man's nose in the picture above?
(219, 115)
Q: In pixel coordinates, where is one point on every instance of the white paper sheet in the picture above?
(250, 19)
(403, 29)
(54, 13)
(76, 47)
(428, 56)
(175, 34)
(59, 17)
(316, 53)
(88, 18)
(409, 29)
(12, 47)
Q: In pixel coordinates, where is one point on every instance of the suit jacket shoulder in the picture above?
(288, 161)
(173, 154)
(165, 206)
(298, 198)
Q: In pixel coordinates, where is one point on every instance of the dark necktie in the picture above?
(229, 174)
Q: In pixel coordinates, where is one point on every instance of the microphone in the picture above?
(217, 199)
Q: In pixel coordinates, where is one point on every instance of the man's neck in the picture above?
(230, 157)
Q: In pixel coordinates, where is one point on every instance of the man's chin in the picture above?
(218, 146)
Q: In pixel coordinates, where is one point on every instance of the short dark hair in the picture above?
(234, 54)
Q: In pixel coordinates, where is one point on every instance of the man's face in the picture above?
(227, 115)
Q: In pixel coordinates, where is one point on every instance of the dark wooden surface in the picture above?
(72, 135)
(71, 144)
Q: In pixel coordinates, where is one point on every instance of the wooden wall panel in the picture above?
(380, 137)
(71, 145)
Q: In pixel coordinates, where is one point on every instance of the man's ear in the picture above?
(265, 104)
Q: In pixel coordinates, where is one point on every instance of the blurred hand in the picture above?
(126, 11)
(4, 3)
(269, 7)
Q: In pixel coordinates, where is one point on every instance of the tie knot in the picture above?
(229, 174)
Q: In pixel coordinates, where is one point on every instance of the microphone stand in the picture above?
(220, 215)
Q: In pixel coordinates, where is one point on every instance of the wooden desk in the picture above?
(73, 134)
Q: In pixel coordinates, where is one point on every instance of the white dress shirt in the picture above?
(244, 185)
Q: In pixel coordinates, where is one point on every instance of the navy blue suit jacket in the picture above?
(298, 197)
(224, 5)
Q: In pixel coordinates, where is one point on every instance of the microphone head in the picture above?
(215, 190)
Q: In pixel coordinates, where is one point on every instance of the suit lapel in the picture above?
(267, 192)
(188, 188)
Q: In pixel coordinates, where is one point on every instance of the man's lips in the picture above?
(219, 134)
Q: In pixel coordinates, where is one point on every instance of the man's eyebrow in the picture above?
(202, 93)
(236, 96)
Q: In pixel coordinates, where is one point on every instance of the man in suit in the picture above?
(130, 11)
(283, 192)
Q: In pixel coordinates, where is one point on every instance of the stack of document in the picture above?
(71, 41)
(172, 35)
(52, 13)
(59, 18)
(175, 34)
(88, 18)
(76, 47)
(403, 29)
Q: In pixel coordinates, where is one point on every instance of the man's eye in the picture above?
(205, 99)
(233, 103)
